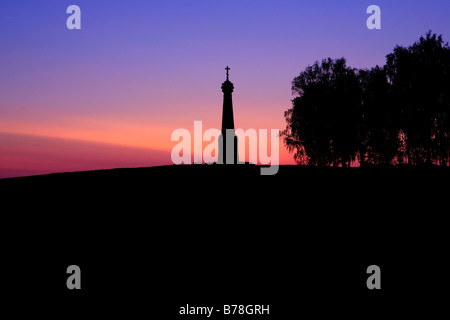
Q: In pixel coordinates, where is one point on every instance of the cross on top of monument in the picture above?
(228, 69)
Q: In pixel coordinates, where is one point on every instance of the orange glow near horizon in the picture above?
(74, 143)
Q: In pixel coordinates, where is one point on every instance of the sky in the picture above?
(110, 95)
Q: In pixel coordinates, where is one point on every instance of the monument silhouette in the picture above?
(228, 142)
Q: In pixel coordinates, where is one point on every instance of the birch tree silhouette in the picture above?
(395, 114)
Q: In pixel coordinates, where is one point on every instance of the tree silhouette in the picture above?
(380, 129)
(420, 77)
(323, 122)
(396, 114)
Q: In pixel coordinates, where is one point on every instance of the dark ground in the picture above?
(151, 240)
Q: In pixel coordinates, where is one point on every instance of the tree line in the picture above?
(391, 115)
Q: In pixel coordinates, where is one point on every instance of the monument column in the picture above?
(228, 140)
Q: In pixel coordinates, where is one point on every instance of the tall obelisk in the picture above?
(228, 144)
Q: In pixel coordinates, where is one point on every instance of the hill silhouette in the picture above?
(167, 236)
(234, 190)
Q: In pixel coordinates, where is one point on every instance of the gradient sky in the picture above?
(110, 95)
